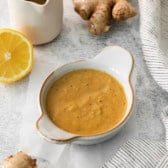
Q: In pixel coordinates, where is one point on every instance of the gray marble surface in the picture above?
(74, 43)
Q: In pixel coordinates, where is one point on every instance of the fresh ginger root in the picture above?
(19, 160)
(100, 12)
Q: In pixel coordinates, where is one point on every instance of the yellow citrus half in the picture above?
(16, 55)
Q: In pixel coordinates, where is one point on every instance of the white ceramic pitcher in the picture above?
(40, 20)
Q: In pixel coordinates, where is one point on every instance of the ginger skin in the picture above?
(19, 160)
(101, 12)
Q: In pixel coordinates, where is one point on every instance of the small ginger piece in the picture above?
(99, 13)
(19, 160)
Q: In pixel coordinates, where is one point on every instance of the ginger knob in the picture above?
(99, 13)
(19, 160)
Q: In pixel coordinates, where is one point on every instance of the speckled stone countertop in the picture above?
(75, 43)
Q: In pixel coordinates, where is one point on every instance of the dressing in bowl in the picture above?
(86, 102)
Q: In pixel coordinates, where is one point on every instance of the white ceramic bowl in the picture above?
(115, 61)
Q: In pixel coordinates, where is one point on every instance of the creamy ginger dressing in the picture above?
(86, 102)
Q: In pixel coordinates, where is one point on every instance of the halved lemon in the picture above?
(16, 55)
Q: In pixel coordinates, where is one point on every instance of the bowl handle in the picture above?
(116, 58)
(51, 132)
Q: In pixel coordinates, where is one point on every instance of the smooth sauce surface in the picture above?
(86, 102)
